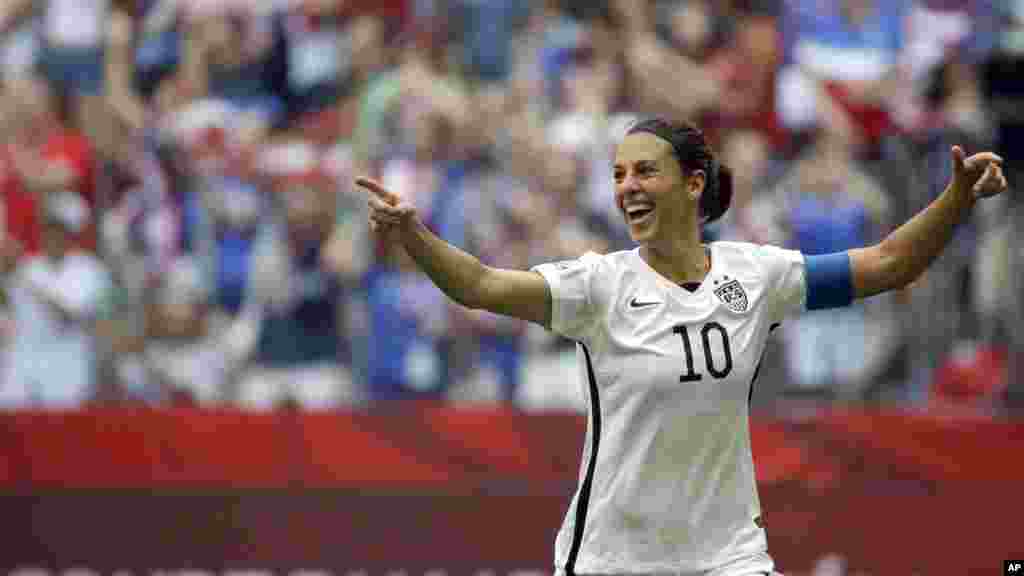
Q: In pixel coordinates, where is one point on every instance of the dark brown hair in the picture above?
(693, 153)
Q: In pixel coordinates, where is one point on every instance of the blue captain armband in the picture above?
(829, 281)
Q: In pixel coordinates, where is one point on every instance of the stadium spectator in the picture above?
(830, 205)
(54, 297)
(67, 46)
(748, 151)
(540, 50)
(429, 84)
(1004, 91)
(186, 354)
(487, 33)
(682, 47)
(967, 294)
(294, 304)
(748, 65)
(406, 320)
(318, 41)
(20, 41)
(234, 52)
(409, 318)
(378, 88)
(842, 67)
(46, 154)
(596, 108)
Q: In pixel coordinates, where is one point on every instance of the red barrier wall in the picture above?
(423, 488)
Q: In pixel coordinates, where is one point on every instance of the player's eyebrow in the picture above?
(645, 164)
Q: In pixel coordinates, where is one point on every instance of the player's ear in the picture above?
(695, 183)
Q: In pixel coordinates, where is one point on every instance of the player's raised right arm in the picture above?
(460, 275)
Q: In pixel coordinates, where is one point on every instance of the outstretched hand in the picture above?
(981, 174)
(389, 212)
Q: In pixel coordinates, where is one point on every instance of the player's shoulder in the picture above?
(738, 256)
(617, 257)
(591, 260)
(614, 265)
(733, 248)
(751, 254)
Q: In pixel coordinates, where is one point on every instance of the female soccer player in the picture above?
(669, 338)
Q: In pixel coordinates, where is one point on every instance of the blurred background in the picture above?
(193, 301)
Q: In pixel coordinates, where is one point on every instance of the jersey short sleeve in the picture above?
(797, 282)
(572, 300)
(785, 281)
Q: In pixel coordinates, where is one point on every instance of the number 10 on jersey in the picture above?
(691, 375)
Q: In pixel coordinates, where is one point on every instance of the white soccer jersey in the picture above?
(666, 483)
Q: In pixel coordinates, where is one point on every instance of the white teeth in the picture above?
(634, 209)
(639, 214)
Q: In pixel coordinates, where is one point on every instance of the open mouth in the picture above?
(639, 214)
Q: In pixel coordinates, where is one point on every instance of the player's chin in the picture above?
(642, 232)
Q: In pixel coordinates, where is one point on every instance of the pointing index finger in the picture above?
(378, 190)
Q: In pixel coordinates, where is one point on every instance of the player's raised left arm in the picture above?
(906, 252)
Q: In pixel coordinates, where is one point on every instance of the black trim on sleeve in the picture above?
(583, 500)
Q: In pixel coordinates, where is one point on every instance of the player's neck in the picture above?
(681, 263)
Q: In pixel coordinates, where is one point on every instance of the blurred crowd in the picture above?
(180, 225)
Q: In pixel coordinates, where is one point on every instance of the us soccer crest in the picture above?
(732, 295)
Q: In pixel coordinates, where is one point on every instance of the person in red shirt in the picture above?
(21, 223)
(44, 155)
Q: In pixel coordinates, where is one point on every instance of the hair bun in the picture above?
(717, 194)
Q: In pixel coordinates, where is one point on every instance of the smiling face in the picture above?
(651, 190)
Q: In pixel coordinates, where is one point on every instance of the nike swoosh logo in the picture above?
(634, 303)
